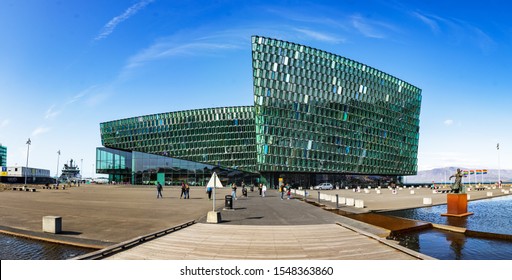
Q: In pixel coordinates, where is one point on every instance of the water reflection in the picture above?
(456, 242)
(488, 215)
(446, 245)
(18, 248)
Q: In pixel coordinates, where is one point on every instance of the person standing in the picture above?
(159, 190)
(244, 191)
(263, 189)
(260, 188)
(183, 190)
(187, 191)
(233, 191)
(281, 190)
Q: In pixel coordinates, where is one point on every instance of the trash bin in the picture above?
(228, 202)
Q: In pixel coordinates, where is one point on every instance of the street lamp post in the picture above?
(499, 167)
(28, 150)
(57, 171)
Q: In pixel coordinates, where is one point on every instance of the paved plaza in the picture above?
(102, 215)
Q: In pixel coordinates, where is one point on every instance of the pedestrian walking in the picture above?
(159, 190)
(209, 192)
(263, 190)
(260, 188)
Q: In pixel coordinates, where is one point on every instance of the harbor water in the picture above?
(490, 216)
(19, 248)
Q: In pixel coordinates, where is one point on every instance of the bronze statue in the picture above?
(457, 185)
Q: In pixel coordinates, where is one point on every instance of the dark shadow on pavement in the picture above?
(70, 233)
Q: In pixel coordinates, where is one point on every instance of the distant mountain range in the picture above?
(441, 175)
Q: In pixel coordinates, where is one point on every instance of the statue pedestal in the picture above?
(457, 205)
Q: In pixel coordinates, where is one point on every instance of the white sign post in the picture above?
(214, 216)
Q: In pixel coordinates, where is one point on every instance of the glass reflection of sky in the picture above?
(445, 245)
(490, 215)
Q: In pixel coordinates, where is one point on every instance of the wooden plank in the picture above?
(210, 241)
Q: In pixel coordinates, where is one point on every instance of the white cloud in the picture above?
(51, 113)
(448, 122)
(428, 21)
(371, 28)
(320, 36)
(111, 25)
(309, 18)
(40, 130)
(82, 94)
(482, 40)
(460, 31)
(195, 43)
(97, 99)
(167, 49)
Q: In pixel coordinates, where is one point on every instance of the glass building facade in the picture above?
(3, 155)
(182, 146)
(143, 169)
(323, 113)
(219, 136)
(316, 117)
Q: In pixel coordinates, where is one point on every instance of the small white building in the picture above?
(16, 174)
(20, 171)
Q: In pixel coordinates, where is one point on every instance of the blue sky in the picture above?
(66, 66)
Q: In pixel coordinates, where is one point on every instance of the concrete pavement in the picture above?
(101, 215)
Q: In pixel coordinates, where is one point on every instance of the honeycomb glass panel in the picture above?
(376, 113)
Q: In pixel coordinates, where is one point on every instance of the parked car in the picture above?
(324, 186)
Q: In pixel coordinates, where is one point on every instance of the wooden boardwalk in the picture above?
(263, 242)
